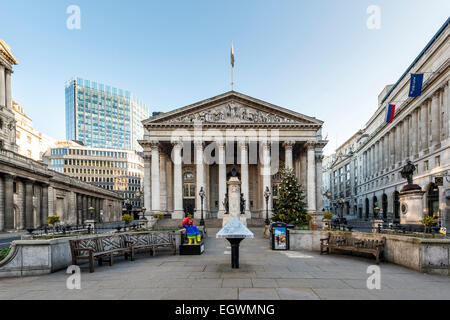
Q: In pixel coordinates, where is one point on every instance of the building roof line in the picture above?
(417, 59)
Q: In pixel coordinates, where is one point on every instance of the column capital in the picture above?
(311, 144)
(289, 144)
(242, 143)
(220, 142)
(177, 143)
(199, 143)
(154, 145)
(266, 144)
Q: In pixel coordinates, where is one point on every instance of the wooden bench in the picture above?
(142, 241)
(374, 246)
(98, 248)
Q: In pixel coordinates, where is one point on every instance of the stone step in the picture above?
(209, 223)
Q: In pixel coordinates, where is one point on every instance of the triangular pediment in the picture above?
(232, 108)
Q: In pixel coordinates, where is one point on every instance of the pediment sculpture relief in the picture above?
(232, 112)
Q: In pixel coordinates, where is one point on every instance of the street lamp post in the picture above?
(202, 196)
(376, 210)
(267, 197)
(341, 205)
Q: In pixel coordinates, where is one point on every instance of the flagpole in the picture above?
(232, 78)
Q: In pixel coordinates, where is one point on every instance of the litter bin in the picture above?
(280, 235)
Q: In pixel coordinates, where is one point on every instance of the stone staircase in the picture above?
(209, 223)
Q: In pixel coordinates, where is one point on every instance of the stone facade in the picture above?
(30, 142)
(7, 121)
(29, 190)
(198, 145)
(112, 169)
(420, 132)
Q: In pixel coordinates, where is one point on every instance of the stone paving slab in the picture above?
(264, 274)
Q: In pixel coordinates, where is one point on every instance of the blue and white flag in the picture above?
(416, 82)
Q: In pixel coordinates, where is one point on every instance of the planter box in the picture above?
(423, 255)
(192, 250)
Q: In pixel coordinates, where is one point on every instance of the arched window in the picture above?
(396, 207)
(433, 200)
(384, 205)
(367, 209)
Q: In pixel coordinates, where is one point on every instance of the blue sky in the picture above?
(315, 57)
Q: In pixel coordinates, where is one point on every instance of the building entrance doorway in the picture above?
(188, 194)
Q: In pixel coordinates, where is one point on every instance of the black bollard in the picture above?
(235, 242)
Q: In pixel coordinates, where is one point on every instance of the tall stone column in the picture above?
(414, 135)
(147, 182)
(44, 204)
(2, 204)
(2, 86)
(424, 127)
(447, 105)
(72, 214)
(200, 175)
(311, 190)
(319, 178)
(79, 209)
(8, 97)
(392, 147)
(163, 182)
(178, 212)
(85, 208)
(398, 149)
(222, 178)
(29, 221)
(21, 204)
(435, 123)
(9, 202)
(155, 178)
(288, 146)
(267, 177)
(406, 138)
(377, 157)
(244, 175)
(446, 110)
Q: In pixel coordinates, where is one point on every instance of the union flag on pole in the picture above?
(390, 112)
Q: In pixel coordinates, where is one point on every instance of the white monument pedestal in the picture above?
(411, 204)
(234, 202)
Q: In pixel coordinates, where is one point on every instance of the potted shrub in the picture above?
(53, 220)
(127, 218)
(309, 219)
(428, 222)
(327, 216)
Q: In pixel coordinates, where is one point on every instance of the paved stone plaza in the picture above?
(264, 274)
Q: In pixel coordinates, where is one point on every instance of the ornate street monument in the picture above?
(411, 198)
(234, 200)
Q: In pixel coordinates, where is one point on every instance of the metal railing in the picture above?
(67, 229)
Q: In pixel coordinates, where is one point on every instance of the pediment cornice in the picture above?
(232, 109)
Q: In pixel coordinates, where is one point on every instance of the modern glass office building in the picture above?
(102, 116)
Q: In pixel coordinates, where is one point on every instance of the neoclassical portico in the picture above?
(197, 146)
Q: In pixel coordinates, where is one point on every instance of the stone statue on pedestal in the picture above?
(408, 172)
(242, 204)
(226, 204)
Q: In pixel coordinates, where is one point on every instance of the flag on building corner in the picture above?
(232, 54)
(390, 112)
(415, 85)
